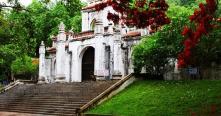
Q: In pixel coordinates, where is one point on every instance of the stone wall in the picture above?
(211, 73)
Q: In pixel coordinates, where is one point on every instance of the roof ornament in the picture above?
(42, 43)
(61, 27)
(71, 31)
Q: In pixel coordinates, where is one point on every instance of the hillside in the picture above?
(145, 98)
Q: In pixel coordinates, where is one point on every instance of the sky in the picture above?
(24, 2)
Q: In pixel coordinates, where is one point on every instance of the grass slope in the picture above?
(165, 98)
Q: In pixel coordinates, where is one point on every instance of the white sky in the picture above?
(25, 2)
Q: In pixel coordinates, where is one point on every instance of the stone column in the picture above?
(100, 70)
(60, 54)
(42, 75)
(118, 60)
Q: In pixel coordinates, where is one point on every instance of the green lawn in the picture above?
(165, 98)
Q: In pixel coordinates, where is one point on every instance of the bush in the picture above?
(24, 66)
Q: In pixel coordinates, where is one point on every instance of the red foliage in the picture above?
(186, 30)
(141, 16)
(140, 3)
(202, 18)
(219, 19)
(113, 17)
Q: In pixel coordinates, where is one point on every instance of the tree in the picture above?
(7, 54)
(21, 31)
(73, 7)
(139, 13)
(203, 18)
(156, 51)
(39, 23)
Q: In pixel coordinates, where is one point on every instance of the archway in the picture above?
(88, 64)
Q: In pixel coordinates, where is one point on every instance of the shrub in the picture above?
(24, 66)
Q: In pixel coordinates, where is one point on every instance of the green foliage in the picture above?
(73, 7)
(150, 55)
(164, 98)
(4, 29)
(76, 23)
(40, 21)
(186, 3)
(21, 31)
(23, 65)
(7, 55)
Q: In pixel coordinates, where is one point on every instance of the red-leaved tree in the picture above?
(202, 18)
(141, 14)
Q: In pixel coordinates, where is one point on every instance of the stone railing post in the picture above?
(42, 76)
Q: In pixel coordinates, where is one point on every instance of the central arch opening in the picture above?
(88, 64)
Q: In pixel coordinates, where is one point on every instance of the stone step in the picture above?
(51, 99)
(43, 104)
(56, 94)
(46, 112)
(46, 105)
(41, 108)
(46, 102)
(46, 99)
(83, 91)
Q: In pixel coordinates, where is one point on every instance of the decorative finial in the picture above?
(71, 31)
(61, 27)
(42, 43)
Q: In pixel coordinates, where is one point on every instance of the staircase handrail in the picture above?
(103, 94)
(9, 86)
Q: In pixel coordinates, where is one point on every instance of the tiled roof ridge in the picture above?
(91, 6)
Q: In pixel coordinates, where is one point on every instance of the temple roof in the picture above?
(92, 5)
(132, 34)
(84, 35)
(53, 49)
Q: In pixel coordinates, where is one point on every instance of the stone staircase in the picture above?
(51, 99)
